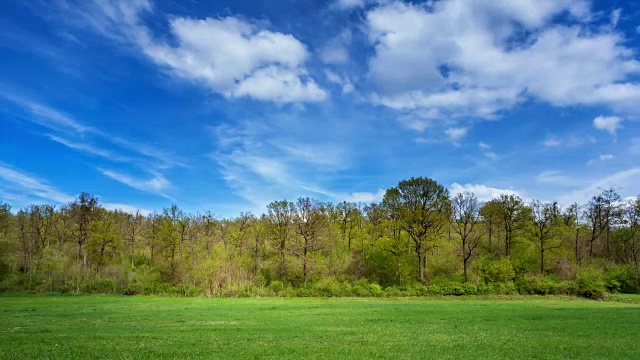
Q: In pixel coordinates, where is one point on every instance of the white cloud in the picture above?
(456, 133)
(626, 182)
(615, 17)
(75, 135)
(261, 171)
(487, 151)
(601, 159)
(551, 141)
(568, 141)
(553, 177)
(157, 184)
(365, 197)
(88, 149)
(468, 57)
(231, 56)
(610, 124)
(16, 184)
(335, 51)
(131, 209)
(48, 117)
(482, 192)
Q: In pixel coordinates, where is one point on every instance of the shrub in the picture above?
(620, 278)
(590, 283)
(375, 290)
(496, 271)
(99, 285)
(276, 286)
(453, 288)
(393, 291)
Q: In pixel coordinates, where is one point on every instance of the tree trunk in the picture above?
(466, 277)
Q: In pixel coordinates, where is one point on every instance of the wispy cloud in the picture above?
(554, 177)
(88, 149)
(78, 136)
(627, 182)
(487, 151)
(568, 141)
(157, 184)
(601, 159)
(17, 184)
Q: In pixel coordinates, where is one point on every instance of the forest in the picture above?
(419, 240)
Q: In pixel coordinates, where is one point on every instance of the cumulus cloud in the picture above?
(611, 124)
(482, 192)
(477, 58)
(237, 58)
(231, 56)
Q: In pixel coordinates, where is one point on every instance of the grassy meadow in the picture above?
(117, 327)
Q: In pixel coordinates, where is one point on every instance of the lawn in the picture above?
(114, 327)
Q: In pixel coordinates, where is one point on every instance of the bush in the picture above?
(496, 271)
(590, 283)
(276, 286)
(99, 286)
(623, 279)
(454, 288)
(375, 290)
(393, 291)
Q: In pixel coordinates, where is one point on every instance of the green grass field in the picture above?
(112, 327)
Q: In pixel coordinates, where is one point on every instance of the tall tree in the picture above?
(465, 211)
(513, 215)
(546, 221)
(421, 205)
(348, 217)
(82, 212)
(280, 216)
(310, 222)
(490, 213)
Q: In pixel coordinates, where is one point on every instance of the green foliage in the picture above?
(590, 283)
(623, 279)
(496, 270)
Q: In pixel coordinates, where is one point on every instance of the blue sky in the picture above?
(228, 105)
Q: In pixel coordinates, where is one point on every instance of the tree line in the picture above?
(419, 234)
